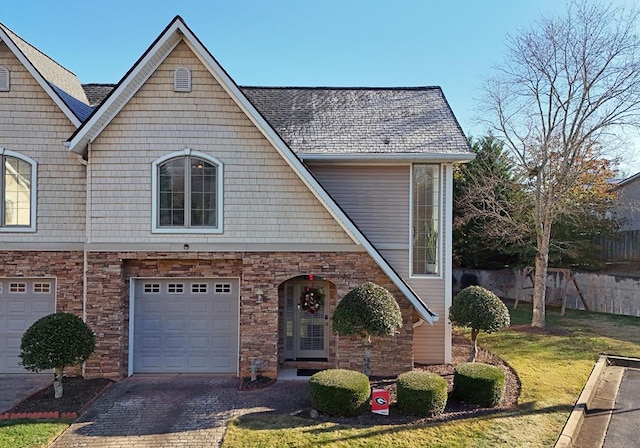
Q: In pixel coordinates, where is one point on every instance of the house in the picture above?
(185, 217)
(629, 199)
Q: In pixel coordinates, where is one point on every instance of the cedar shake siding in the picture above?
(264, 200)
(31, 124)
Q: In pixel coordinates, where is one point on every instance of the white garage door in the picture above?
(22, 302)
(185, 326)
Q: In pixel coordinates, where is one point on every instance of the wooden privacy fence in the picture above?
(615, 294)
(625, 247)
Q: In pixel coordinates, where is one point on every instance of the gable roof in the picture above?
(401, 122)
(365, 121)
(628, 180)
(61, 84)
(96, 93)
(176, 32)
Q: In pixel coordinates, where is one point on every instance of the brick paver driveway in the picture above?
(171, 411)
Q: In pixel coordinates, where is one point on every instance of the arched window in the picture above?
(187, 189)
(18, 192)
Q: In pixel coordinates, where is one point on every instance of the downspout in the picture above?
(85, 263)
(84, 268)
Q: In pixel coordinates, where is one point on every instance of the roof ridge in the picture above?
(341, 88)
(36, 49)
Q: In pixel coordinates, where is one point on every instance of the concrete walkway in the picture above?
(174, 411)
(15, 387)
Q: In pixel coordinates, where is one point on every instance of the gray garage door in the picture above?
(185, 326)
(22, 302)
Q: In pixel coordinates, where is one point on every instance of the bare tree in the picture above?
(567, 85)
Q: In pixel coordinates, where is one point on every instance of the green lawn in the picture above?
(553, 369)
(29, 433)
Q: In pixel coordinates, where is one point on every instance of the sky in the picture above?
(454, 44)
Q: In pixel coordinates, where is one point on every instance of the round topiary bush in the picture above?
(421, 393)
(479, 383)
(481, 310)
(55, 342)
(340, 392)
(367, 310)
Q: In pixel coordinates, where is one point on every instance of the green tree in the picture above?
(493, 221)
(54, 342)
(367, 310)
(487, 200)
(481, 310)
(568, 84)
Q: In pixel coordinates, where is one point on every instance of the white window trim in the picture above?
(4, 72)
(155, 228)
(34, 192)
(441, 198)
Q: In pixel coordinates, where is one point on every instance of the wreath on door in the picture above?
(311, 299)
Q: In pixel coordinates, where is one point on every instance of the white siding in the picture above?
(264, 200)
(32, 124)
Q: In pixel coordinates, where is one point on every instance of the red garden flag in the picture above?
(380, 401)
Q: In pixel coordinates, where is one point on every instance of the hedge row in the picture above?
(346, 393)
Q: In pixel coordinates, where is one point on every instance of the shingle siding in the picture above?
(32, 124)
(264, 200)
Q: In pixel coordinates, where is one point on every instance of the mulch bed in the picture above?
(260, 383)
(77, 392)
(455, 409)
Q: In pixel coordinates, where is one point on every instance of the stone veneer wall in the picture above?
(66, 267)
(108, 303)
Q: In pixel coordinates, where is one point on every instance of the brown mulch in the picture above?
(260, 383)
(77, 392)
(455, 409)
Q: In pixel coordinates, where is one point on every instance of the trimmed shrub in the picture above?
(367, 310)
(421, 393)
(54, 342)
(340, 392)
(479, 383)
(481, 310)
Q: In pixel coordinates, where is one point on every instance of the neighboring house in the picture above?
(629, 202)
(185, 217)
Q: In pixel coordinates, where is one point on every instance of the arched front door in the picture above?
(306, 331)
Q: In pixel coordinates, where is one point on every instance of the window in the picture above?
(18, 192)
(175, 288)
(222, 288)
(4, 79)
(425, 222)
(42, 288)
(187, 188)
(152, 288)
(199, 288)
(182, 80)
(19, 288)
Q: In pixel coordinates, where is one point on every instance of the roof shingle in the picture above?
(360, 120)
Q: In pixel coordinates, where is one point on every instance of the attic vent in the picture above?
(182, 80)
(4, 79)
